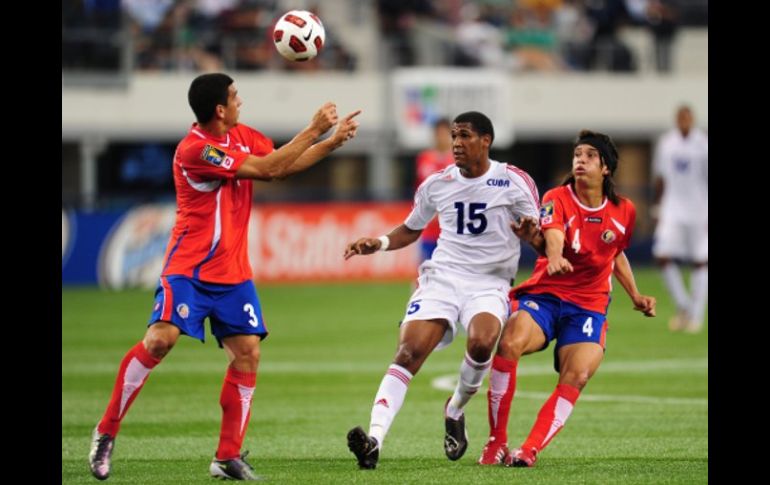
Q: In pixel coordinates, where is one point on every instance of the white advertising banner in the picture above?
(422, 95)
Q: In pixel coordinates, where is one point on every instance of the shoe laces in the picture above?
(103, 447)
(243, 459)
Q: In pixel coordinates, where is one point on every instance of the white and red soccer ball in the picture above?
(299, 35)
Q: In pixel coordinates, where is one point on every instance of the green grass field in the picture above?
(641, 419)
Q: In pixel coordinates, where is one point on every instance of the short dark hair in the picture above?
(479, 121)
(206, 92)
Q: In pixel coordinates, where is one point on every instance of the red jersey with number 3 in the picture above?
(593, 238)
(209, 239)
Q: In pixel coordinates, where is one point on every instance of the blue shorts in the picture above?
(231, 309)
(426, 248)
(564, 321)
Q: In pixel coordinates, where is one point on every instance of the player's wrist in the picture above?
(384, 243)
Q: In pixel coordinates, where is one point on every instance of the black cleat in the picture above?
(364, 447)
(456, 437)
(235, 469)
(100, 457)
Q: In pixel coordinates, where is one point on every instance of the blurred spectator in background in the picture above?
(606, 50)
(479, 39)
(662, 18)
(681, 185)
(429, 162)
(532, 36)
(396, 22)
(91, 35)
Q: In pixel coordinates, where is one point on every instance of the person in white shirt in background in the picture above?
(681, 206)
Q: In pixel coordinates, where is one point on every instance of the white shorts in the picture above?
(456, 297)
(682, 240)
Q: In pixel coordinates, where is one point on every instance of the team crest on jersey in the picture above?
(212, 155)
(531, 304)
(546, 213)
(608, 236)
(183, 310)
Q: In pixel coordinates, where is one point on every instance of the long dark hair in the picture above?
(609, 156)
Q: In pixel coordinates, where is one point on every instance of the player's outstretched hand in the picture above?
(325, 117)
(346, 129)
(559, 265)
(365, 245)
(645, 304)
(525, 228)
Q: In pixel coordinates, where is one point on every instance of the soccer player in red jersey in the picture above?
(429, 162)
(206, 271)
(586, 227)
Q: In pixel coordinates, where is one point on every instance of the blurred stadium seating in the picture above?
(538, 67)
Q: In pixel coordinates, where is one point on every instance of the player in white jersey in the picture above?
(479, 201)
(681, 183)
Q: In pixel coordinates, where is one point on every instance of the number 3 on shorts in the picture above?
(253, 321)
(588, 327)
(413, 307)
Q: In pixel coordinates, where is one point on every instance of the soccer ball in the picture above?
(299, 35)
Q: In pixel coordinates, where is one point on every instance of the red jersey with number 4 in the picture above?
(429, 162)
(593, 238)
(209, 239)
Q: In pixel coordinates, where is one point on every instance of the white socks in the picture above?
(471, 376)
(390, 396)
(699, 284)
(673, 279)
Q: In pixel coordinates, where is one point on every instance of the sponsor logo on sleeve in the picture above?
(228, 162)
(213, 155)
(546, 213)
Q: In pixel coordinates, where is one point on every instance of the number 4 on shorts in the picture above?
(588, 327)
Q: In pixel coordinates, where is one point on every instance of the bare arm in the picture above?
(275, 164)
(554, 251)
(624, 274)
(399, 237)
(346, 130)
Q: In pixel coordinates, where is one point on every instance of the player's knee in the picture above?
(578, 378)
(410, 357)
(158, 345)
(511, 347)
(480, 349)
(248, 355)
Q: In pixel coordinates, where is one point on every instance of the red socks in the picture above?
(552, 416)
(502, 385)
(236, 410)
(133, 372)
